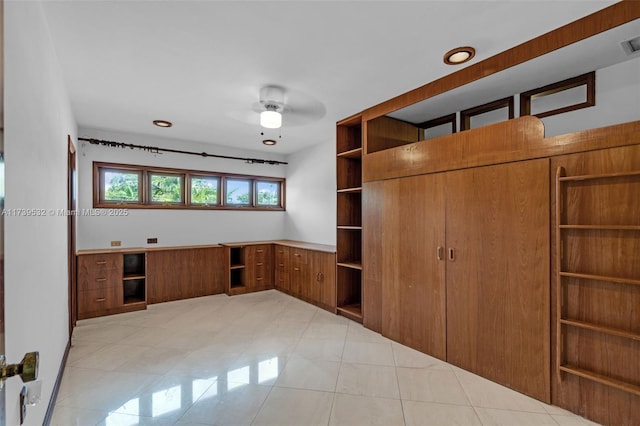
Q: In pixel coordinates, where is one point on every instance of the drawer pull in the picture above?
(101, 299)
(259, 264)
(281, 265)
(296, 254)
(101, 279)
(259, 279)
(259, 251)
(101, 262)
(296, 269)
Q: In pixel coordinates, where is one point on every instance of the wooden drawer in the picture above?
(298, 256)
(96, 272)
(99, 300)
(99, 263)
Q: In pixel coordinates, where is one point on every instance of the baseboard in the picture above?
(56, 386)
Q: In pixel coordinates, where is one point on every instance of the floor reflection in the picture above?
(158, 402)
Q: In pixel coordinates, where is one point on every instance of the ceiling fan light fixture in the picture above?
(271, 118)
(459, 55)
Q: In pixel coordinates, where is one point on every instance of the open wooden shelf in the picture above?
(349, 190)
(609, 254)
(353, 312)
(133, 277)
(598, 176)
(602, 329)
(602, 379)
(600, 278)
(603, 227)
(352, 265)
(352, 153)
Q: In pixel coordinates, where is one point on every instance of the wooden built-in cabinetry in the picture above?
(463, 268)
(250, 268)
(123, 280)
(305, 273)
(459, 234)
(596, 282)
(110, 283)
(182, 273)
(349, 219)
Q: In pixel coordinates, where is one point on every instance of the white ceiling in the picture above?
(201, 64)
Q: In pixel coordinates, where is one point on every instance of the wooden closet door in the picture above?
(413, 279)
(498, 303)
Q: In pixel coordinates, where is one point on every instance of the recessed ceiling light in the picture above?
(459, 55)
(162, 123)
(269, 142)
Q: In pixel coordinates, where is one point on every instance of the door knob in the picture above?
(27, 369)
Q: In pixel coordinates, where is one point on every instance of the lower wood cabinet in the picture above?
(110, 283)
(281, 268)
(323, 280)
(115, 282)
(184, 273)
(258, 267)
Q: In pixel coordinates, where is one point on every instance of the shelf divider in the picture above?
(602, 379)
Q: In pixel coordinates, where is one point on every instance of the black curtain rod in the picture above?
(157, 150)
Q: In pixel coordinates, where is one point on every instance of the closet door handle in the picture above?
(451, 254)
(439, 253)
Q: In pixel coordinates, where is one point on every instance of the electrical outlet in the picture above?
(152, 241)
(116, 243)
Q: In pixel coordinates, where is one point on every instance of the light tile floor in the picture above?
(269, 359)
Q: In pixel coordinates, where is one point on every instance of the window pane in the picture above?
(121, 186)
(166, 188)
(238, 191)
(204, 190)
(269, 193)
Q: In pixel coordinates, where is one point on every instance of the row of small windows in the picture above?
(119, 185)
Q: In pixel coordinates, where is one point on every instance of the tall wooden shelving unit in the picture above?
(598, 276)
(349, 218)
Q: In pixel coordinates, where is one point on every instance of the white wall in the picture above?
(311, 194)
(37, 121)
(617, 101)
(172, 227)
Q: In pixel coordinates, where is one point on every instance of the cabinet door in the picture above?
(324, 277)
(498, 281)
(281, 266)
(164, 276)
(413, 278)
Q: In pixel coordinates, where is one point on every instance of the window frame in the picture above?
(181, 177)
(251, 185)
(144, 188)
(189, 194)
(588, 80)
(280, 193)
(99, 186)
(467, 114)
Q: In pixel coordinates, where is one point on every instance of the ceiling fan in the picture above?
(278, 106)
